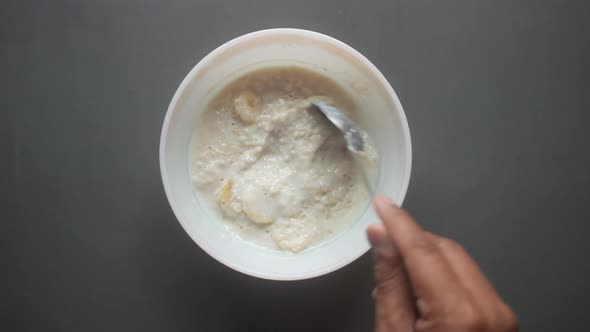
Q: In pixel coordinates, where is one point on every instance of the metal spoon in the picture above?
(353, 135)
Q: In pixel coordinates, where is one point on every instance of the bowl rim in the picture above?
(203, 63)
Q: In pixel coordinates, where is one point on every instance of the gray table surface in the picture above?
(496, 94)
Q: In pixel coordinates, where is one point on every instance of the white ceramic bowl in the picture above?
(382, 117)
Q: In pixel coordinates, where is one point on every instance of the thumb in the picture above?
(394, 301)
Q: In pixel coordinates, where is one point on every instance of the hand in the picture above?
(429, 283)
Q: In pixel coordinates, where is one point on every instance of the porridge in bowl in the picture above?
(277, 171)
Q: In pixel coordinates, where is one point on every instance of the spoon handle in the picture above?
(364, 176)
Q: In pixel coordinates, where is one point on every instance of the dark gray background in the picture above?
(497, 98)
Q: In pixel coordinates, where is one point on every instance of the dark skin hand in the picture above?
(425, 282)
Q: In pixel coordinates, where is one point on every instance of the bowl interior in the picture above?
(381, 116)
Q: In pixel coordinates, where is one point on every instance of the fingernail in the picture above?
(384, 201)
(383, 250)
(380, 243)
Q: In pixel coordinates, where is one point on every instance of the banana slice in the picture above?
(257, 206)
(226, 201)
(247, 106)
(293, 234)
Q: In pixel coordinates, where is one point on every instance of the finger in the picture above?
(432, 278)
(380, 241)
(492, 307)
(394, 303)
(466, 269)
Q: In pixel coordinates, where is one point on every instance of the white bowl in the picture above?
(383, 118)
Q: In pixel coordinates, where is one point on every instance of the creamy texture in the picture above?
(278, 172)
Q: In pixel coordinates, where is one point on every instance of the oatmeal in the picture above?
(278, 172)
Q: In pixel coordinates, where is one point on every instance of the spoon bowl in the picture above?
(354, 136)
